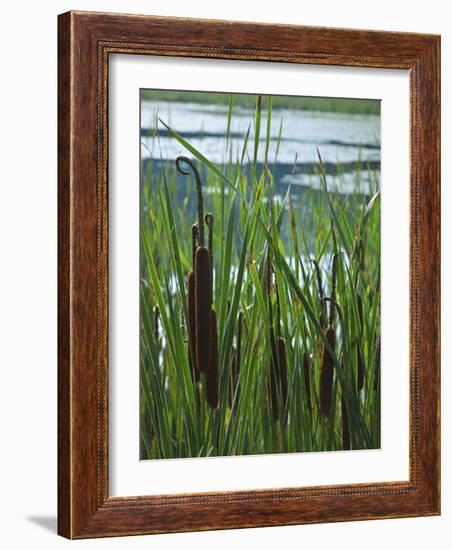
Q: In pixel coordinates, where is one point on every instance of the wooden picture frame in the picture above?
(85, 42)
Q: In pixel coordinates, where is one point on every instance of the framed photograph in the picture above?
(248, 279)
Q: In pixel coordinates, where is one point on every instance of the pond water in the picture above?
(344, 140)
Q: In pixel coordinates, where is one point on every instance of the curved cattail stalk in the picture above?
(346, 445)
(360, 350)
(306, 364)
(203, 308)
(200, 201)
(326, 373)
(212, 372)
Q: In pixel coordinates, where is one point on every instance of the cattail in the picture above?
(307, 379)
(203, 277)
(326, 373)
(360, 351)
(203, 308)
(346, 446)
(212, 372)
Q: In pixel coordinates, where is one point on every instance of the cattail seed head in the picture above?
(326, 373)
(212, 372)
(203, 303)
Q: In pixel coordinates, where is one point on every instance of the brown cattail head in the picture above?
(326, 373)
(203, 307)
(307, 379)
(191, 306)
(346, 446)
(212, 372)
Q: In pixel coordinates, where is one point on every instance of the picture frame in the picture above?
(85, 42)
